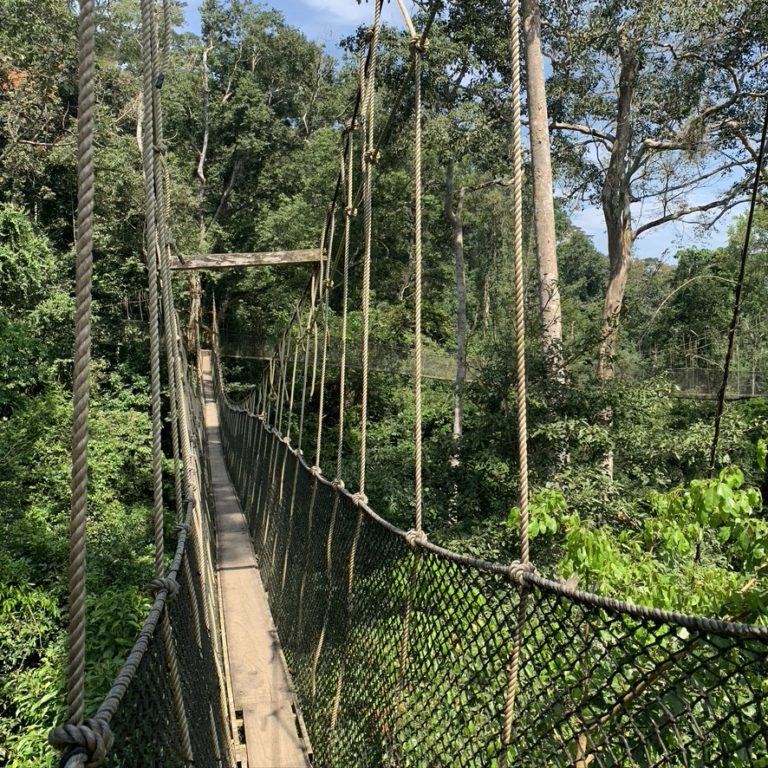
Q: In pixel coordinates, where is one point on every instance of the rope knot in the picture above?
(415, 538)
(285, 439)
(360, 498)
(372, 157)
(350, 212)
(171, 586)
(328, 284)
(338, 483)
(181, 526)
(93, 736)
(262, 415)
(316, 471)
(517, 572)
(418, 45)
(272, 396)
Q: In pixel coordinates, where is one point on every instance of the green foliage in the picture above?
(710, 532)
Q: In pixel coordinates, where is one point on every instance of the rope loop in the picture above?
(272, 397)
(93, 737)
(517, 572)
(171, 586)
(359, 498)
(415, 538)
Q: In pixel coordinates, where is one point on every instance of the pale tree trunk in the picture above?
(194, 283)
(454, 213)
(543, 204)
(616, 200)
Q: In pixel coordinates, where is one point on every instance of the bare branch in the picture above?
(606, 138)
(729, 201)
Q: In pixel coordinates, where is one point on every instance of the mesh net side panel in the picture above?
(597, 687)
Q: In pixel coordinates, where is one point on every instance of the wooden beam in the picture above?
(259, 259)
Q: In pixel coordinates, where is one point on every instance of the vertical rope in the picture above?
(522, 429)
(86, 102)
(349, 213)
(417, 47)
(151, 239)
(369, 159)
(325, 298)
(162, 249)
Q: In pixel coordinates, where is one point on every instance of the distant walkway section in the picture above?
(259, 682)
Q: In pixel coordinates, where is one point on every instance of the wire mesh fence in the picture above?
(400, 653)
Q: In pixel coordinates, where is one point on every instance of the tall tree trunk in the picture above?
(543, 204)
(194, 282)
(453, 213)
(616, 198)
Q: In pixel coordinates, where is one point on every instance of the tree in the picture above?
(543, 200)
(653, 101)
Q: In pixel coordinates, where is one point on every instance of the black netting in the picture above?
(145, 724)
(600, 684)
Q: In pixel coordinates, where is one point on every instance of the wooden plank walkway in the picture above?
(258, 679)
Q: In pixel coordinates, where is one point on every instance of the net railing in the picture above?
(138, 718)
(399, 650)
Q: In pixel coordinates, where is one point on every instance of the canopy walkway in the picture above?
(296, 625)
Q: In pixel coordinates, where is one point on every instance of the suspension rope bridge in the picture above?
(295, 619)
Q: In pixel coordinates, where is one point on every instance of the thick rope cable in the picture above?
(82, 362)
(513, 669)
(737, 297)
(418, 49)
(151, 240)
(162, 207)
(369, 159)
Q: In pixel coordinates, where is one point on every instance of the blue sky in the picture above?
(328, 21)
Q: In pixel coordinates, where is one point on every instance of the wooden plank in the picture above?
(258, 259)
(260, 684)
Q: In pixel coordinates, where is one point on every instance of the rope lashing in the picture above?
(517, 572)
(93, 737)
(415, 538)
(171, 586)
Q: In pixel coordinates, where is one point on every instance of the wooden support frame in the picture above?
(257, 259)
